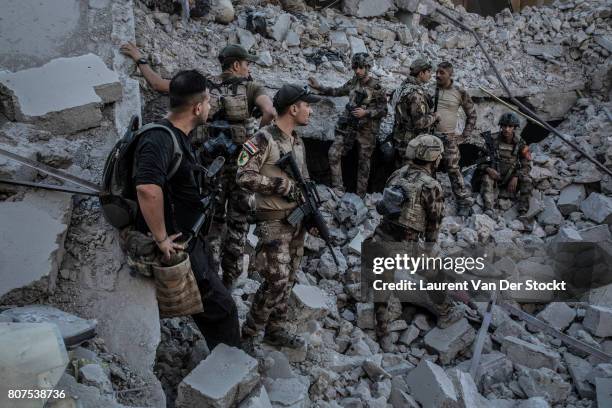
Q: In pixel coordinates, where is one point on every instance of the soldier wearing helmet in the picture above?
(414, 113)
(359, 122)
(507, 171)
(412, 208)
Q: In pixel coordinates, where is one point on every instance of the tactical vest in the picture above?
(403, 129)
(508, 155)
(233, 107)
(413, 214)
(277, 147)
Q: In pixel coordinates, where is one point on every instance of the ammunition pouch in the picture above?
(176, 288)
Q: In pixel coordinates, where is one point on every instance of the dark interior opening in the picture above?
(533, 133)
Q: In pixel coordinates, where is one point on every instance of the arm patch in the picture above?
(250, 147)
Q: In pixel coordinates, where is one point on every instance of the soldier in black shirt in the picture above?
(168, 207)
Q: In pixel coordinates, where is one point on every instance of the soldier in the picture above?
(281, 245)
(447, 101)
(237, 96)
(418, 216)
(513, 166)
(413, 111)
(361, 120)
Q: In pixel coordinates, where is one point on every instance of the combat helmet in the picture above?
(509, 119)
(425, 147)
(419, 65)
(362, 60)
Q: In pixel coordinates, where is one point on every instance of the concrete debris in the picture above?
(257, 399)
(466, 390)
(603, 370)
(604, 392)
(543, 382)
(579, 370)
(74, 90)
(367, 8)
(226, 377)
(409, 335)
(533, 402)
(430, 386)
(558, 314)
(450, 341)
(551, 214)
(339, 41)
(365, 315)
(74, 330)
(281, 27)
(570, 198)
(529, 354)
(94, 375)
(598, 320)
(309, 302)
(598, 208)
(33, 357)
(288, 392)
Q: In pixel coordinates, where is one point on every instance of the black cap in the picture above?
(290, 94)
(238, 53)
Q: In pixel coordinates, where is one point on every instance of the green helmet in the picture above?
(361, 60)
(419, 65)
(425, 147)
(509, 119)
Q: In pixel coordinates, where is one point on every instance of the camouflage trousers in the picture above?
(491, 191)
(437, 302)
(343, 143)
(280, 251)
(400, 143)
(451, 162)
(231, 212)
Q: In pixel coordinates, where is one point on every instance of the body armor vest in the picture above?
(508, 155)
(234, 108)
(413, 215)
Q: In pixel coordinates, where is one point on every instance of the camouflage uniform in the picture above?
(349, 129)
(514, 160)
(236, 98)
(420, 217)
(449, 102)
(281, 246)
(413, 115)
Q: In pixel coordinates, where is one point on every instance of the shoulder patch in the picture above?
(243, 158)
(250, 147)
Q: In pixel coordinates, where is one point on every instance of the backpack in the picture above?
(118, 192)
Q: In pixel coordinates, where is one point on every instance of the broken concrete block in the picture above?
(294, 355)
(355, 244)
(309, 302)
(366, 8)
(570, 198)
(288, 392)
(226, 377)
(327, 266)
(279, 367)
(33, 357)
(598, 233)
(65, 95)
(528, 354)
(602, 370)
(281, 27)
(543, 382)
(466, 390)
(534, 402)
(494, 368)
(81, 395)
(603, 387)
(365, 315)
(47, 213)
(73, 329)
(450, 341)
(558, 314)
(94, 375)
(400, 394)
(598, 208)
(598, 320)
(375, 371)
(580, 369)
(223, 10)
(431, 387)
(246, 38)
(551, 214)
(257, 399)
(357, 45)
(565, 235)
(409, 335)
(339, 41)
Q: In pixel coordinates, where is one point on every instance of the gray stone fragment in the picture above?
(94, 375)
(265, 59)
(257, 399)
(226, 377)
(409, 335)
(450, 341)
(543, 382)
(528, 354)
(579, 370)
(309, 302)
(400, 394)
(598, 233)
(602, 370)
(431, 387)
(357, 45)
(558, 314)
(598, 208)
(570, 198)
(339, 41)
(366, 8)
(565, 235)
(604, 392)
(551, 214)
(292, 39)
(288, 392)
(365, 315)
(74, 329)
(279, 367)
(281, 27)
(246, 38)
(534, 402)
(466, 390)
(598, 320)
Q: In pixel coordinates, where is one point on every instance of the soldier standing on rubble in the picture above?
(366, 107)
(414, 110)
(237, 96)
(412, 208)
(281, 245)
(447, 101)
(508, 168)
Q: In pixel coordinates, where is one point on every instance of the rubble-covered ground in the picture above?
(555, 58)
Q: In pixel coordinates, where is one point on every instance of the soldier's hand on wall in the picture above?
(513, 184)
(359, 113)
(312, 81)
(131, 51)
(492, 173)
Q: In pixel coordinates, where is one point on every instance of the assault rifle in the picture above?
(308, 210)
(349, 120)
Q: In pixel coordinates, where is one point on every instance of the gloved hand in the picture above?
(289, 189)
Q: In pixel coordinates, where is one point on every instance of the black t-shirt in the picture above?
(153, 158)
